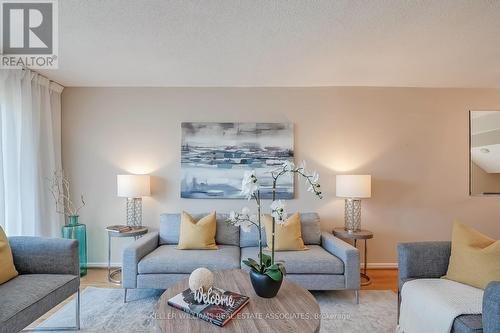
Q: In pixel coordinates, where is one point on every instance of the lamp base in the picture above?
(352, 215)
(134, 212)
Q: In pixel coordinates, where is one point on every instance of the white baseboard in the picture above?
(103, 264)
(374, 265)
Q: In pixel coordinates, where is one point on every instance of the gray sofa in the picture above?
(49, 272)
(430, 260)
(154, 262)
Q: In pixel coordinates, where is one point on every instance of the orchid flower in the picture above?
(278, 211)
(232, 216)
(250, 189)
(244, 219)
(249, 184)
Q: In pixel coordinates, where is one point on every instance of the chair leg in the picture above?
(78, 310)
(125, 295)
(356, 293)
(399, 304)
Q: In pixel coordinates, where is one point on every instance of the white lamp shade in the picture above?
(354, 186)
(133, 186)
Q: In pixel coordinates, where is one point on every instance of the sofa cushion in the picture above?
(197, 234)
(314, 261)
(28, 296)
(251, 238)
(474, 257)
(288, 234)
(8, 270)
(226, 234)
(310, 229)
(168, 259)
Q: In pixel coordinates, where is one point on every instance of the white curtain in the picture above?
(30, 152)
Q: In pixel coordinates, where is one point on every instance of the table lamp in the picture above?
(353, 188)
(133, 187)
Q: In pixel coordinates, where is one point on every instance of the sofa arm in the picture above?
(491, 308)
(133, 254)
(38, 255)
(422, 260)
(348, 254)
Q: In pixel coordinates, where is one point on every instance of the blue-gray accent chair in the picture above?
(153, 261)
(49, 273)
(430, 260)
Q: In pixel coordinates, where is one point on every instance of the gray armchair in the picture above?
(49, 272)
(430, 260)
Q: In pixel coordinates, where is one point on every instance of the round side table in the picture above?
(355, 235)
(136, 233)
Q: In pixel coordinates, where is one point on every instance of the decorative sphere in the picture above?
(201, 278)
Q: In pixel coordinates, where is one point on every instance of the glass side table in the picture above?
(136, 233)
(355, 235)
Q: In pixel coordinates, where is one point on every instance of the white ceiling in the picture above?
(439, 43)
(485, 121)
(481, 114)
(485, 140)
(488, 160)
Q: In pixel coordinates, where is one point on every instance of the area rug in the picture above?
(103, 310)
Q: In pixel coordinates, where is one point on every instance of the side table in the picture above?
(355, 235)
(136, 233)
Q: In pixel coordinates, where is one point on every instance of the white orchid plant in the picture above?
(250, 187)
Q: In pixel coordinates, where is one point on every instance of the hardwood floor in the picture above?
(382, 279)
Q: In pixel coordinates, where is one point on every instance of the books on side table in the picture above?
(215, 314)
(119, 228)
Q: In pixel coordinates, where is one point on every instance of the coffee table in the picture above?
(294, 309)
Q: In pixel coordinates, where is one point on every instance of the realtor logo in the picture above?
(29, 34)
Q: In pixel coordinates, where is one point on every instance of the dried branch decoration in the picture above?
(59, 186)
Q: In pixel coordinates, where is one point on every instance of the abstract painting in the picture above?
(214, 157)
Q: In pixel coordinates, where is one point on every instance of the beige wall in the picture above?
(413, 141)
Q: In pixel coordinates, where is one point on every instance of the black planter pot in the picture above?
(264, 286)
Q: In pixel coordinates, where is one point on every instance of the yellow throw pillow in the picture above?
(197, 235)
(287, 236)
(475, 258)
(7, 268)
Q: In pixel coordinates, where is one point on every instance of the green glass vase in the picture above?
(78, 231)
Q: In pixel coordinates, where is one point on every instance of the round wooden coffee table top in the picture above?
(294, 309)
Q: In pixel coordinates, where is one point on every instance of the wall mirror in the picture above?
(484, 161)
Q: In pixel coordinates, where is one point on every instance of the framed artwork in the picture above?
(214, 157)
